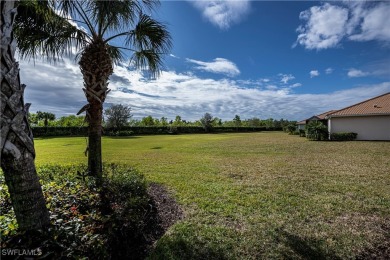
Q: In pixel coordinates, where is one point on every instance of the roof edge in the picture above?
(364, 101)
(382, 114)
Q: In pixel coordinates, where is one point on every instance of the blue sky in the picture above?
(279, 59)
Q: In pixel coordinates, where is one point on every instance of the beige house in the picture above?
(370, 119)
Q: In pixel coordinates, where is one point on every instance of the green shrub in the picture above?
(350, 136)
(86, 221)
(119, 133)
(59, 131)
(291, 129)
(316, 131)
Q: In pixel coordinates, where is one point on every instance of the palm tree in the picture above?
(17, 146)
(46, 117)
(101, 28)
(316, 130)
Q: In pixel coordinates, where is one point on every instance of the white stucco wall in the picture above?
(367, 127)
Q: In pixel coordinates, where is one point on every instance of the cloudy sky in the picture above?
(261, 59)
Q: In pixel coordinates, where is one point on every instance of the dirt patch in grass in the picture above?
(163, 212)
(165, 207)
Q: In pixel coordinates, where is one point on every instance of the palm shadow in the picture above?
(304, 248)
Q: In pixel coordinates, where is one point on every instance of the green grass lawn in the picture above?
(257, 195)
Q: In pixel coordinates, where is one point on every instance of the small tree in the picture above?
(237, 121)
(217, 121)
(46, 117)
(254, 122)
(207, 122)
(316, 131)
(118, 115)
(164, 121)
(269, 123)
(71, 120)
(291, 128)
(147, 121)
(32, 119)
(177, 121)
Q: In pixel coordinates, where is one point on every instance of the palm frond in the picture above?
(151, 40)
(116, 54)
(66, 7)
(149, 34)
(150, 5)
(114, 15)
(40, 31)
(148, 60)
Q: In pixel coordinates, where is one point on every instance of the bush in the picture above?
(119, 133)
(87, 222)
(316, 131)
(350, 136)
(291, 129)
(59, 131)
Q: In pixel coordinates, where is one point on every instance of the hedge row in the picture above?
(59, 131)
(143, 130)
(343, 136)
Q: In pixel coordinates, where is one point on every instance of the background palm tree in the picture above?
(46, 117)
(102, 27)
(17, 146)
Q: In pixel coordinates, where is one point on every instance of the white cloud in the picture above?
(329, 71)
(218, 65)
(285, 78)
(355, 73)
(296, 85)
(173, 56)
(223, 14)
(57, 89)
(271, 87)
(314, 73)
(375, 24)
(327, 25)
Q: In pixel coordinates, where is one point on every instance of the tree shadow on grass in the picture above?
(121, 137)
(177, 247)
(304, 248)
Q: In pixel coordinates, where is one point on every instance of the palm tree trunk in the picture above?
(17, 145)
(95, 140)
(96, 67)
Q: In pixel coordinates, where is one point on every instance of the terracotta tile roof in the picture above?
(323, 115)
(318, 117)
(375, 106)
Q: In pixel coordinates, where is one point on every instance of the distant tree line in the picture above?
(119, 116)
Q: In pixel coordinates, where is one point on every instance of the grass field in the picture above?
(258, 195)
